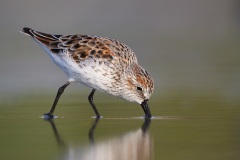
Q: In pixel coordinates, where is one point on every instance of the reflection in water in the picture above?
(57, 136)
(91, 131)
(134, 145)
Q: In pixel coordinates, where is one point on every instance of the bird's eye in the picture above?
(139, 88)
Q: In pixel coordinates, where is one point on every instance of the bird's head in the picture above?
(139, 86)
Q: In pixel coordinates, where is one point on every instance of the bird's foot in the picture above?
(48, 116)
(148, 116)
(97, 117)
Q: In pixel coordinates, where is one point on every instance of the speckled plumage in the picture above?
(101, 63)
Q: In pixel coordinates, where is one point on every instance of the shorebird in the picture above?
(100, 63)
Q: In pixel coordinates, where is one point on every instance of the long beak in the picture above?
(146, 109)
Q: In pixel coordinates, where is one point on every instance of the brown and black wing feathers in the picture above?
(81, 47)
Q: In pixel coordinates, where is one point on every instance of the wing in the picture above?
(80, 47)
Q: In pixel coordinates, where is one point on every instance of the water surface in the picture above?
(185, 126)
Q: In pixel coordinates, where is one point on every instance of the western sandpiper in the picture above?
(100, 63)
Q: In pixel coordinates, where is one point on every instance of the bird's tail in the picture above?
(42, 38)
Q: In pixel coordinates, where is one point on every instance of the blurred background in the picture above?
(191, 49)
(185, 45)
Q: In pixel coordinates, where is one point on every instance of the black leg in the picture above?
(90, 98)
(60, 91)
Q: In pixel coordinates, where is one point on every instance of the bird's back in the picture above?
(80, 47)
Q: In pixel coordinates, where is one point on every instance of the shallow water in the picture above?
(185, 126)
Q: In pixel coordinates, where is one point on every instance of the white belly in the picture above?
(87, 72)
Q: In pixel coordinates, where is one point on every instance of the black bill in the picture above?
(146, 109)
